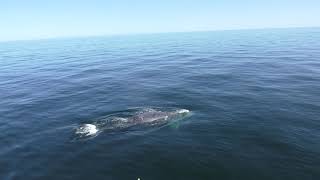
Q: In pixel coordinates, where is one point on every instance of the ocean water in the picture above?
(254, 97)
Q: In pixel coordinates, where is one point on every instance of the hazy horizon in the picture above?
(35, 19)
(151, 33)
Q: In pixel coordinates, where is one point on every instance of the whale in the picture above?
(152, 116)
(140, 117)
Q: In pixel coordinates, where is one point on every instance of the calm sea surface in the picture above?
(254, 97)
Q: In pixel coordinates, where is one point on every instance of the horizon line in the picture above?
(150, 33)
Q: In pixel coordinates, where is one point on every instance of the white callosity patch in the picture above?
(87, 129)
(181, 111)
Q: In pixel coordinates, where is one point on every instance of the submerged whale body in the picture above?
(155, 116)
(140, 117)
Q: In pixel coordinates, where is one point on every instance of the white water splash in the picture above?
(181, 111)
(87, 130)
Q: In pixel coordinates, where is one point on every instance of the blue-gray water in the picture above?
(254, 94)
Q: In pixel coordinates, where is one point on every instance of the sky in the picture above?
(38, 19)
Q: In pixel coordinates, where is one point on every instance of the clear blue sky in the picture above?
(36, 19)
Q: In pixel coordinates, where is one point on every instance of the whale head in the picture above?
(183, 111)
(180, 114)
